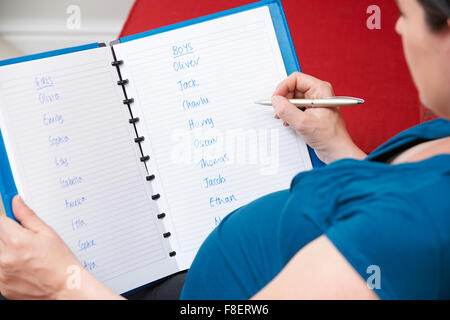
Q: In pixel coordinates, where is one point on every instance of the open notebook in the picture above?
(134, 153)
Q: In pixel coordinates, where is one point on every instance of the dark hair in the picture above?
(436, 12)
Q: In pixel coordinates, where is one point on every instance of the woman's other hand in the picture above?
(36, 264)
(321, 128)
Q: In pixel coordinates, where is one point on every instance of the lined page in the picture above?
(75, 163)
(213, 149)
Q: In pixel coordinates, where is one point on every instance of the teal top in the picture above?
(391, 223)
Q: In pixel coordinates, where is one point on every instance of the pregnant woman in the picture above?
(364, 227)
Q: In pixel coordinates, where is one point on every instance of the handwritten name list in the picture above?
(75, 162)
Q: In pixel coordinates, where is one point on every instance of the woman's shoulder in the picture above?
(350, 187)
(423, 151)
(393, 227)
(376, 176)
(394, 215)
(371, 177)
(427, 131)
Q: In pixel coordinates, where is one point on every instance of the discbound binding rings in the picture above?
(128, 101)
(156, 196)
(139, 139)
(117, 63)
(133, 120)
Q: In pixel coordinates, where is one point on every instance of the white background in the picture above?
(31, 26)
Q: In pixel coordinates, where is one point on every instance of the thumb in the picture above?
(288, 112)
(25, 215)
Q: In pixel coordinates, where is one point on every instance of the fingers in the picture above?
(25, 215)
(297, 82)
(11, 232)
(301, 85)
(9, 229)
(288, 112)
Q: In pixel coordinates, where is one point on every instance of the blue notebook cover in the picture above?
(7, 186)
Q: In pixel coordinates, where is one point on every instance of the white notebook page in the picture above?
(193, 87)
(75, 163)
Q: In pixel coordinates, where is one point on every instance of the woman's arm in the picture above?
(321, 128)
(318, 271)
(36, 264)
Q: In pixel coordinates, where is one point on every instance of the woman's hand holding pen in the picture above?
(321, 128)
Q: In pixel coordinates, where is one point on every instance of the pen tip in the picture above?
(264, 102)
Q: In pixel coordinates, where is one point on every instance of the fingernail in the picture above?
(19, 199)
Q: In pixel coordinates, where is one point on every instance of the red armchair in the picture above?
(333, 44)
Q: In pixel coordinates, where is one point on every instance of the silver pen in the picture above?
(324, 103)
